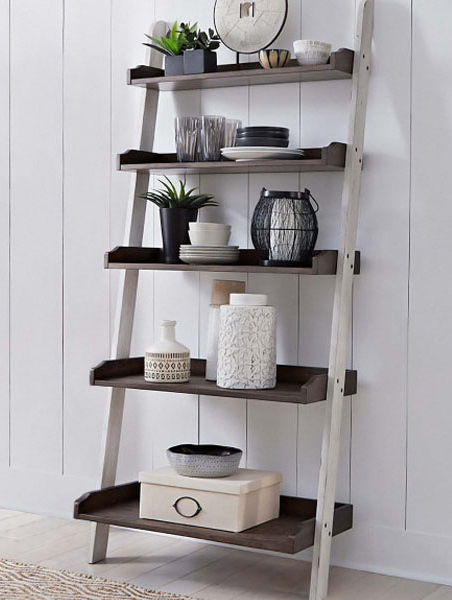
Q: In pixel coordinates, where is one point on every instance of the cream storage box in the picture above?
(233, 503)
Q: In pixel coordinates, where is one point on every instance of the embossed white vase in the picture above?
(167, 361)
(247, 343)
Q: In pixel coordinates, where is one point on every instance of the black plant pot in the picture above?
(199, 61)
(174, 65)
(174, 222)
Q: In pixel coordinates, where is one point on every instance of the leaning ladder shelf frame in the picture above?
(341, 315)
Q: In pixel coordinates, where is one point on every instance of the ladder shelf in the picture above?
(292, 532)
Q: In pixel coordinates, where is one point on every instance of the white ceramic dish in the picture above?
(206, 237)
(209, 260)
(190, 248)
(215, 226)
(312, 52)
(260, 152)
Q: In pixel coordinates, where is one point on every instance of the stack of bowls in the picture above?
(277, 137)
(209, 234)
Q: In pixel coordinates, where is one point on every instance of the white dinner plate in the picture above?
(206, 260)
(260, 152)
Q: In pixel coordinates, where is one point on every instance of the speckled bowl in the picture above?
(204, 460)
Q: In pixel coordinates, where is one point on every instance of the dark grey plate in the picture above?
(263, 129)
(262, 141)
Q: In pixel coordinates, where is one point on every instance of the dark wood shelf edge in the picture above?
(128, 373)
(340, 61)
(324, 262)
(327, 158)
(291, 533)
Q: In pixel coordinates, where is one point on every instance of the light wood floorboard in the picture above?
(183, 566)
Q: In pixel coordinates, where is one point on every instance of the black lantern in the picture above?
(284, 228)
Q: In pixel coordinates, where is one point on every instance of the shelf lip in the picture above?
(323, 159)
(289, 534)
(295, 384)
(324, 262)
(340, 66)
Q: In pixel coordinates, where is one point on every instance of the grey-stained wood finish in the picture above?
(328, 158)
(152, 259)
(339, 67)
(292, 532)
(300, 385)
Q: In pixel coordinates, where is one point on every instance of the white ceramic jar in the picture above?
(167, 361)
(247, 343)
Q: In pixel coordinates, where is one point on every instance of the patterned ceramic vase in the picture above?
(167, 361)
(247, 343)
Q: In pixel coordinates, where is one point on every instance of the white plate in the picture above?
(260, 152)
(204, 248)
(206, 260)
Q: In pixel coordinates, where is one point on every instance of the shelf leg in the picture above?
(342, 308)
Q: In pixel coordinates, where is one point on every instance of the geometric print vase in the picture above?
(167, 361)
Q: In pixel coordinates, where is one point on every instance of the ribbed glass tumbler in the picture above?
(212, 137)
(187, 138)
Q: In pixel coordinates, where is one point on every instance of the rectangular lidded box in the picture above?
(235, 503)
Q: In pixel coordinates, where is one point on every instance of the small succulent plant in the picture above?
(170, 197)
(196, 39)
(172, 44)
(187, 37)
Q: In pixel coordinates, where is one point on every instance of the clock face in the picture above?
(246, 26)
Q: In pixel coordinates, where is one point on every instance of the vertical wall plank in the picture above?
(86, 192)
(380, 300)
(430, 331)
(36, 235)
(4, 234)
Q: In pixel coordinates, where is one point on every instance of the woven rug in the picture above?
(28, 582)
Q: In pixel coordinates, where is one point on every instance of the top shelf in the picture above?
(340, 66)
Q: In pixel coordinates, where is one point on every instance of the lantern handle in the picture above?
(317, 207)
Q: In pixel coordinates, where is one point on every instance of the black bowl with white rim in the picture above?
(204, 460)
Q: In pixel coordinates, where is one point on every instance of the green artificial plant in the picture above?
(170, 197)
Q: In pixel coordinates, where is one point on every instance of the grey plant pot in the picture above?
(174, 65)
(199, 61)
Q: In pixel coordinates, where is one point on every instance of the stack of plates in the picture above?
(209, 255)
(261, 152)
(263, 136)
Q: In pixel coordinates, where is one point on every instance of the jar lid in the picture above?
(248, 299)
(223, 288)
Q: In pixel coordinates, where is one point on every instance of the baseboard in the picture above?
(366, 547)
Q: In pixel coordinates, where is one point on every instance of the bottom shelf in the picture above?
(292, 532)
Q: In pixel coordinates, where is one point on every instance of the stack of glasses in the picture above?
(202, 138)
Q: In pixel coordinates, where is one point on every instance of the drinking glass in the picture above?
(187, 134)
(230, 132)
(212, 137)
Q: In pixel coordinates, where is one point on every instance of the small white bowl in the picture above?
(209, 238)
(312, 52)
(211, 226)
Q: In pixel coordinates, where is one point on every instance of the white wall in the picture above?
(65, 111)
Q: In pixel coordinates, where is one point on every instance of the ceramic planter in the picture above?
(174, 65)
(199, 61)
(167, 361)
(174, 222)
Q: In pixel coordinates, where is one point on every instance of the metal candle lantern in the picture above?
(284, 228)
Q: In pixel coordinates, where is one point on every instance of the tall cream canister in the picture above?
(247, 343)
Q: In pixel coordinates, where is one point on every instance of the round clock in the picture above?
(248, 27)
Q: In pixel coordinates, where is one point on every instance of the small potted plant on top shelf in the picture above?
(188, 50)
(199, 53)
(177, 210)
(172, 46)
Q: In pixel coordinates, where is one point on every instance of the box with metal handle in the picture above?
(235, 503)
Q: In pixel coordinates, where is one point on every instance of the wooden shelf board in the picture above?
(300, 385)
(340, 66)
(328, 158)
(324, 262)
(292, 532)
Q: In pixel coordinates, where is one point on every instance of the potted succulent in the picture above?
(188, 50)
(172, 46)
(177, 209)
(199, 55)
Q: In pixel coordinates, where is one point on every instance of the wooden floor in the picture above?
(186, 567)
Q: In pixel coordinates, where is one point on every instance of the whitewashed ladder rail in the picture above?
(127, 293)
(342, 306)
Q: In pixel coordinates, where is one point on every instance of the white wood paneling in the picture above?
(4, 235)
(223, 421)
(87, 159)
(36, 235)
(430, 327)
(380, 304)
